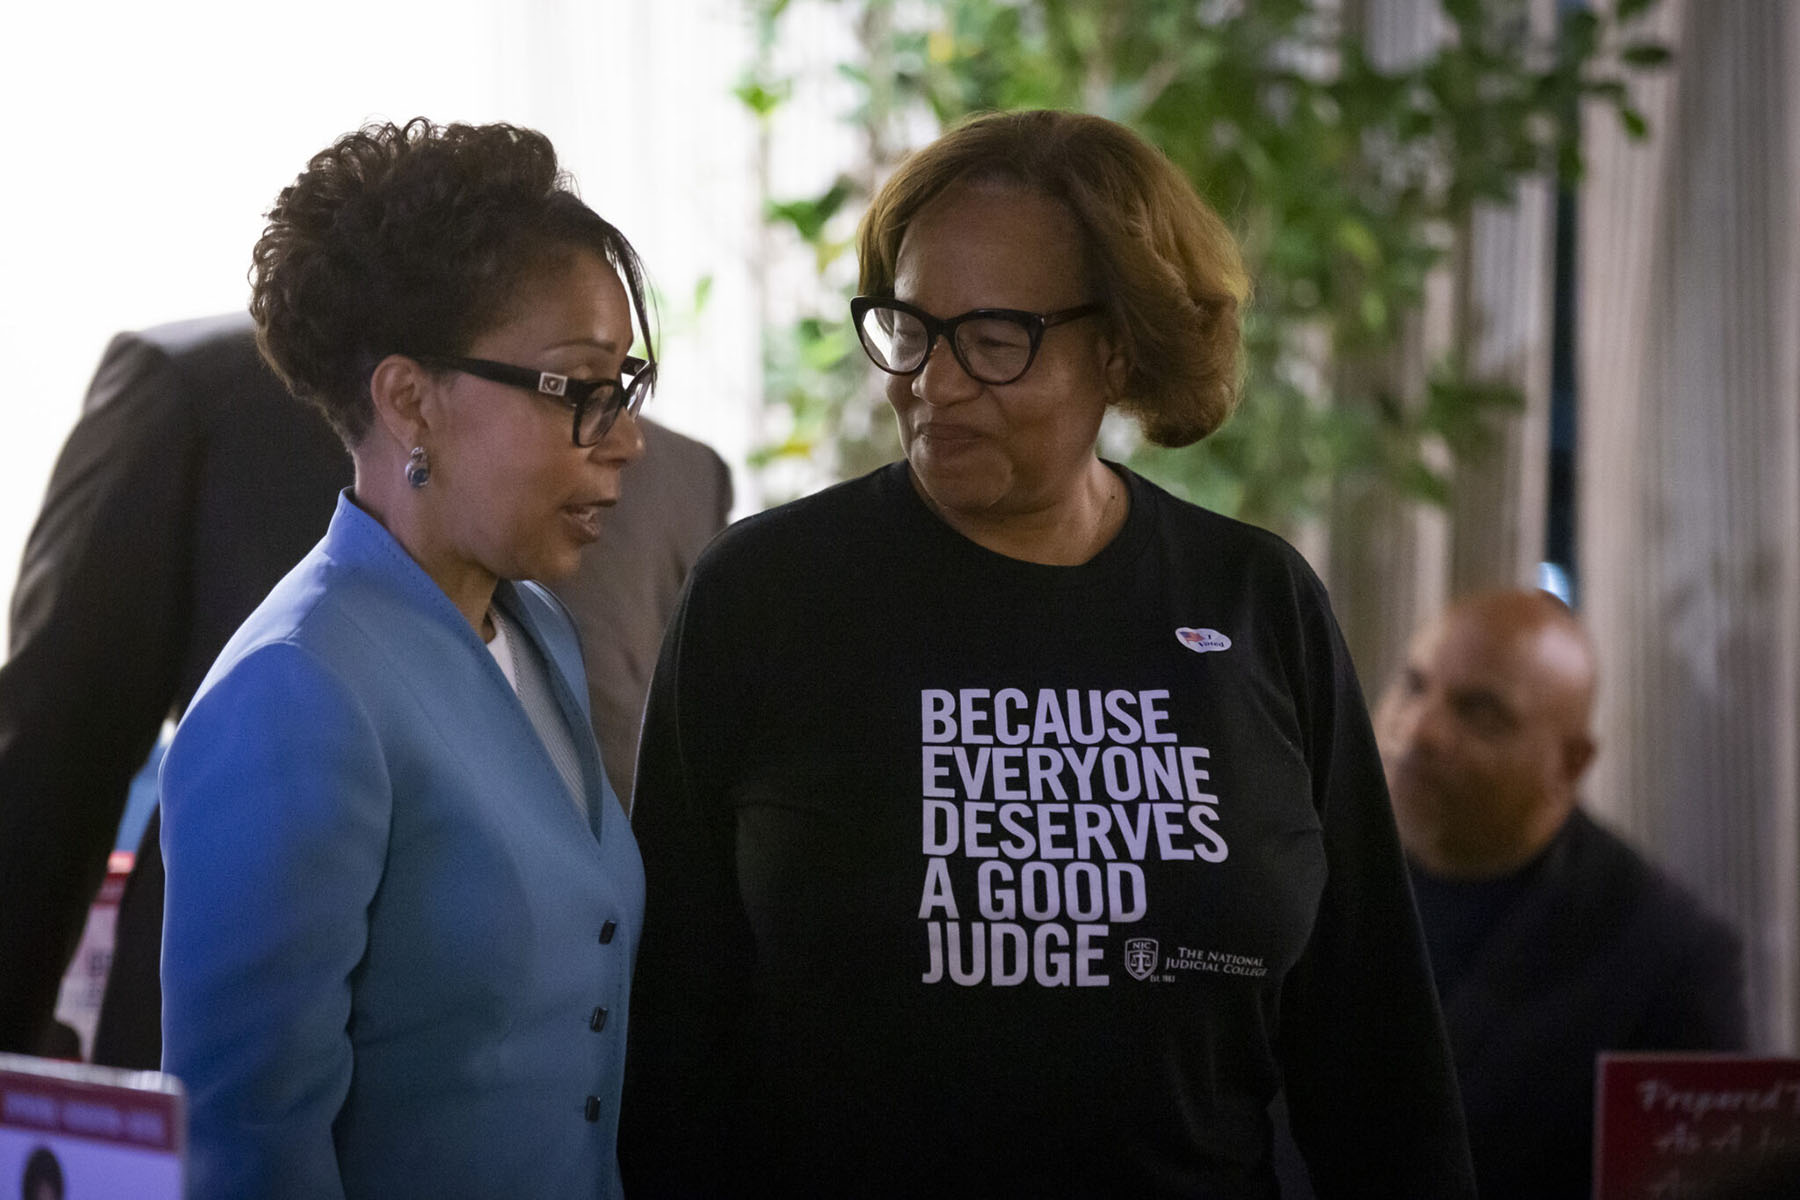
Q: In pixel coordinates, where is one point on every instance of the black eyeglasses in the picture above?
(597, 402)
(994, 345)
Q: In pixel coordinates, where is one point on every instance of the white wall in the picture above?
(144, 141)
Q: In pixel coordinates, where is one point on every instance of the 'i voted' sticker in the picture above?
(1200, 641)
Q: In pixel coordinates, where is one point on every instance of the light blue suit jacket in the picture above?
(396, 959)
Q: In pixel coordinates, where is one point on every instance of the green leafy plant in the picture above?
(1348, 181)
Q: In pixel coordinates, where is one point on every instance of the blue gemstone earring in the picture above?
(418, 468)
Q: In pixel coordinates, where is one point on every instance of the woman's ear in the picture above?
(400, 390)
(1115, 365)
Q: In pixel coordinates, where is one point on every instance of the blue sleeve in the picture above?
(276, 807)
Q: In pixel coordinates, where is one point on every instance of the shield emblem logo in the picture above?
(1140, 957)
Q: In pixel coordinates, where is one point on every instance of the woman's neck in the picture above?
(1065, 533)
(403, 512)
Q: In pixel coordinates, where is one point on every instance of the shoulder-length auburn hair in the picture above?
(1164, 266)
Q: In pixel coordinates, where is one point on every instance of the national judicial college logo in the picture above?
(1140, 957)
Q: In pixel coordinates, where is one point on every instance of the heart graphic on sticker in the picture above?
(1202, 641)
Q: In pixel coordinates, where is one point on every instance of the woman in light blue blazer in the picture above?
(403, 902)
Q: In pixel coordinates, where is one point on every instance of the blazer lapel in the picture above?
(562, 658)
(357, 541)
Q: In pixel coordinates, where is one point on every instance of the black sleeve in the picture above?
(679, 1133)
(1367, 1069)
(96, 641)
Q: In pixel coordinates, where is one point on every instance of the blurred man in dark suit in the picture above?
(672, 502)
(189, 486)
(1551, 939)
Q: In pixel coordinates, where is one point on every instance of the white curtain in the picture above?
(152, 137)
(1689, 473)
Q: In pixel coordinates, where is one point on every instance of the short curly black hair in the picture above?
(412, 239)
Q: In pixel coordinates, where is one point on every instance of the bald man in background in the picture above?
(1551, 938)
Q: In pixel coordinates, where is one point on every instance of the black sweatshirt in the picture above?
(971, 876)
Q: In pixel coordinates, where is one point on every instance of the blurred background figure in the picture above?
(676, 497)
(1551, 939)
(190, 484)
